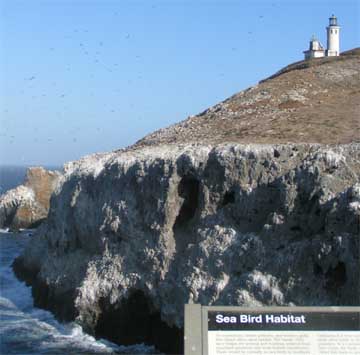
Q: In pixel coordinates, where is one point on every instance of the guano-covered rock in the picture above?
(133, 236)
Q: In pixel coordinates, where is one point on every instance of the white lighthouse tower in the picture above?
(333, 38)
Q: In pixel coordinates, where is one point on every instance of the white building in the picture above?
(333, 38)
(316, 50)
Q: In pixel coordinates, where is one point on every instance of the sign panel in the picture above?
(284, 342)
(274, 330)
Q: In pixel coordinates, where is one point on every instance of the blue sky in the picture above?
(85, 76)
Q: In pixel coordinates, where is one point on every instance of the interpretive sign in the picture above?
(272, 330)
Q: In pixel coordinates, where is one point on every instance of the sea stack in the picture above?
(27, 205)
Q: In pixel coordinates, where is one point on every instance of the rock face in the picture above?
(132, 236)
(27, 205)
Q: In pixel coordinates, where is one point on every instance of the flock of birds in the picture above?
(31, 90)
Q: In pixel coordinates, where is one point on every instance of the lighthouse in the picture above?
(333, 38)
(316, 50)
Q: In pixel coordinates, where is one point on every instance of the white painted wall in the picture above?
(319, 54)
(314, 54)
(333, 40)
(315, 45)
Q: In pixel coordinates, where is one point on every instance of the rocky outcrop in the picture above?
(132, 236)
(27, 205)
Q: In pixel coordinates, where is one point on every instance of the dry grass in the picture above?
(307, 102)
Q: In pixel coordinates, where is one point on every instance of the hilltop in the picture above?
(313, 101)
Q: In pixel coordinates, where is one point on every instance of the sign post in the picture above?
(272, 330)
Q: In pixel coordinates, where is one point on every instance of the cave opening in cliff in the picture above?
(188, 189)
(229, 197)
(336, 276)
(135, 321)
(9, 217)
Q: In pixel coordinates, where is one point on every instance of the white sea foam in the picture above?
(28, 330)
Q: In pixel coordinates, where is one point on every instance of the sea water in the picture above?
(25, 329)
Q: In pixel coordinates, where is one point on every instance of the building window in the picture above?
(336, 31)
(331, 31)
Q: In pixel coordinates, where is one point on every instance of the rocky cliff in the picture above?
(27, 205)
(237, 224)
(135, 234)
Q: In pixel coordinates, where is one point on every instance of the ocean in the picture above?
(11, 176)
(25, 329)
